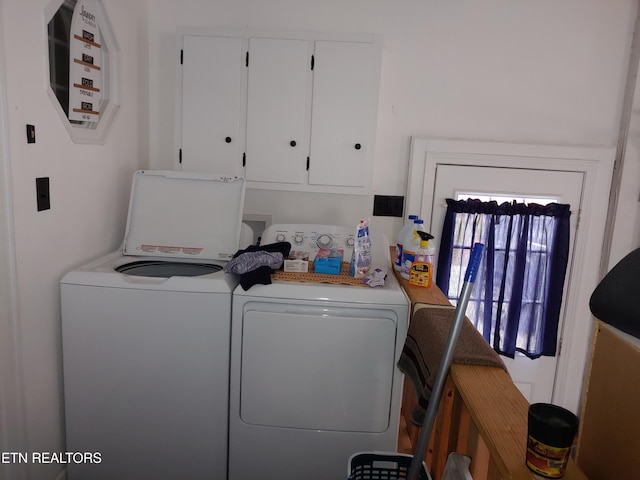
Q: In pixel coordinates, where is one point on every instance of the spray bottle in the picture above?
(410, 245)
(421, 273)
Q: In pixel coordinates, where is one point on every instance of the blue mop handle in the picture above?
(474, 263)
(441, 376)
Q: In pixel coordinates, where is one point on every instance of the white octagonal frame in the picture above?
(90, 133)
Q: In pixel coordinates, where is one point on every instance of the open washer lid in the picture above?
(184, 215)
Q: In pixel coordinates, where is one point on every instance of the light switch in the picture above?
(42, 193)
(31, 133)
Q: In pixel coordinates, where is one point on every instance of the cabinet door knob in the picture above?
(228, 139)
(357, 146)
(292, 143)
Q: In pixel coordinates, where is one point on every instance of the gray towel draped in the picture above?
(425, 344)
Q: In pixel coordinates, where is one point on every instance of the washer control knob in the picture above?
(298, 239)
(324, 241)
(350, 242)
(280, 237)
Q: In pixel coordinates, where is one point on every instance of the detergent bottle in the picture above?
(410, 245)
(421, 273)
(408, 225)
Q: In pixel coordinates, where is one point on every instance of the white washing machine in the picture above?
(146, 333)
(313, 367)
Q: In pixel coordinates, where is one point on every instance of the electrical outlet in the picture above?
(388, 205)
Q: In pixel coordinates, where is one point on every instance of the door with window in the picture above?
(535, 378)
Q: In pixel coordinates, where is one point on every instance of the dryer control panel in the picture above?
(311, 237)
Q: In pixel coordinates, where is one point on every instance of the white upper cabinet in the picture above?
(344, 113)
(289, 111)
(277, 126)
(211, 117)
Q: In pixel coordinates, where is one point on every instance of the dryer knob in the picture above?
(298, 239)
(324, 241)
(280, 237)
(350, 242)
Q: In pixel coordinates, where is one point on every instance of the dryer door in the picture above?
(318, 368)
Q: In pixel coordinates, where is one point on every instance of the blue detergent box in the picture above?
(328, 261)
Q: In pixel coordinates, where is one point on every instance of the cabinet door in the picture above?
(344, 113)
(277, 121)
(212, 104)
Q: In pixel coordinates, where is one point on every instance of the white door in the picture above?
(277, 110)
(534, 378)
(318, 368)
(345, 88)
(212, 104)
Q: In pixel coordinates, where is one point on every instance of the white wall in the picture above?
(89, 196)
(550, 72)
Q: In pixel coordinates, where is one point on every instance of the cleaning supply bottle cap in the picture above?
(424, 238)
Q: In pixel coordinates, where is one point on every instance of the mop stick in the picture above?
(441, 376)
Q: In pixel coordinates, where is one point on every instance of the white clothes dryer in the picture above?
(146, 332)
(313, 367)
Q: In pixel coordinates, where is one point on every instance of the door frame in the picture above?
(596, 163)
(13, 424)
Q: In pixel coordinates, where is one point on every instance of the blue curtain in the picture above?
(517, 295)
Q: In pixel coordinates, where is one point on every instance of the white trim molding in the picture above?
(13, 425)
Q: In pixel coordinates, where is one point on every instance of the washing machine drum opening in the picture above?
(164, 269)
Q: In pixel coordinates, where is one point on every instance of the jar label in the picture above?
(546, 460)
